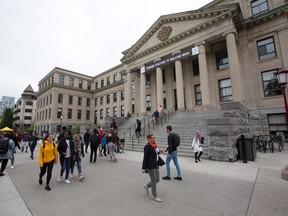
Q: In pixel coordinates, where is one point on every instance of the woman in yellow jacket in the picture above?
(48, 156)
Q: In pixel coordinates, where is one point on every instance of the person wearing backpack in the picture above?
(6, 147)
(48, 156)
(173, 143)
(94, 143)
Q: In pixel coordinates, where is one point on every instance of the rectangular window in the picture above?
(133, 85)
(122, 95)
(49, 113)
(101, 113)
(266, 48)
(225, 90)
(115, 78)
(88, 115)
(195, 66)
(69, 116)
(59, 112)
(198, 98)
(28, 110)
(102, 83)
(29, 103)
(96, 102)
(133, 105)
(95, 117)
(88, 102)
(101, 100)
(80, 84)
(148, 81)
(174, 73)
(259, 6)
(163, 76)
(108, 80)
(222, 60)
(164, 100)
(96, 85)
(115, 97)
(271, 86)
(107, 99)
(89, 85)
(70, 101)
(148, 102)
(71, 82)
(79, 113)
(51, 99)
(122, 111)
(115, 111)
(60, 98)
(27, 118)
(79, 101)
(61, 79)
(108, 112)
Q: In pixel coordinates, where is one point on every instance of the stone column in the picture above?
(128, 94)
(179, 86)
(159, 87)
(204, 80)
(234, 68)
(142, 94)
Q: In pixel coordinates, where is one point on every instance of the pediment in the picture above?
(174, 27)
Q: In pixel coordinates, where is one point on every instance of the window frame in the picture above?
(268, 81)
(260, 49)
(227, 88)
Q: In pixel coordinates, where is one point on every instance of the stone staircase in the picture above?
(185, 124)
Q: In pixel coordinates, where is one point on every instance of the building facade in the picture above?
(25, 110)
(226, 51)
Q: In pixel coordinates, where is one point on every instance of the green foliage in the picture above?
(7, 118)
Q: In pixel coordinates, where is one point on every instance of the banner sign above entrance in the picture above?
(168, 60)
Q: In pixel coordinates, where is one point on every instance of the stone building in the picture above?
(200, 60)
(25, 110)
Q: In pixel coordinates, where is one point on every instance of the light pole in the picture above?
(282, 77)
(61, 117)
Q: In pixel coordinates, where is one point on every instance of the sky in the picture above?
(84, 36)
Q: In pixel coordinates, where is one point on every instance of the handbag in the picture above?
(161, 162)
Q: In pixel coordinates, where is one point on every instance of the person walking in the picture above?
(197, 146)
(48, 156)
(138, 128)
(15, 138)
(6, 153)
(112, 139)
(172, 155)
(150, 165)
(32, 144)
(94, 143)
(113, 125)
(101, 135)
(86, 139)
(66, 149)
(79, 148)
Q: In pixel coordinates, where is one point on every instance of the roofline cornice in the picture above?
(220, 15)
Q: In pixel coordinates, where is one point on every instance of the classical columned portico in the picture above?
(142, 94)
(234, 67)
(128, 93)
(204, 80)
(159, 85)
(179, 86)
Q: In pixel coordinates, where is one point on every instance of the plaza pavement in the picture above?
(209, 188)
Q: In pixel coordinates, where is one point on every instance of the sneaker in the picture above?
(178, 178)
(59, 178)
(67, 181)
(40, 181)
(81, 178)
(12, 167)
(2, 174)
(166, 178)
(146, 189)
(47, 188)
(157, 199)
(71, 176)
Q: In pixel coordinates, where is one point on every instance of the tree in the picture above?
(7, 118)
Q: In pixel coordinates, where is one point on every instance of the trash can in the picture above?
(249, 147)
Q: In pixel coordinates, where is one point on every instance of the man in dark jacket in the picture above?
(94, 143)
(87, 139)
(172, 154)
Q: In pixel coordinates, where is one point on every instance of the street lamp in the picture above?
(61, 117)
(282, 77)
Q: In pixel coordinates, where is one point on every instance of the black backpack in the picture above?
(4, 146)
(176, 140)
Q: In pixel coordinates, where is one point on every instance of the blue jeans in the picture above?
(66, 166)
(78, 162)
(12, 156)
(169, 157)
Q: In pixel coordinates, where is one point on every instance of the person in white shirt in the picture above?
(197, 146)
